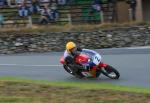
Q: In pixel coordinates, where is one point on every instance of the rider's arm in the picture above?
(79, 49)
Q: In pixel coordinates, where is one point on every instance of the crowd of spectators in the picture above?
(46, 8)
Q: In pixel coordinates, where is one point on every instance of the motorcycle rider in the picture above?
(69, 55)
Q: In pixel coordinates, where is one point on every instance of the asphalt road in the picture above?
(132, 63)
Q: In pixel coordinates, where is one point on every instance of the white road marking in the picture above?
(24, 65)
(126, 48)
(143, 47)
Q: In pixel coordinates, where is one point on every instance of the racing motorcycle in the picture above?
(92, 59)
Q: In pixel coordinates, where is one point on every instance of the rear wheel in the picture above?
(110, 72)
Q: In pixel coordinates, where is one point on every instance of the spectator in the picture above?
(45, 15)
(94, 13)
(2, 3)
(133, 4)
(35, 7)
(96, 6)
(1, 20)
(23, 11)
(54, 12)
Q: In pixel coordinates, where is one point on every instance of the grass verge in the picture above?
(81, 85)
(13, 90)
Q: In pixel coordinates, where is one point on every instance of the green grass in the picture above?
(81, 85)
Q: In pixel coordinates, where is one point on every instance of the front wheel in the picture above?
(78, 74)
(67, 69)
(110, 72)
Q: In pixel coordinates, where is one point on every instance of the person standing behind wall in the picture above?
(3, 3)
(23, 10)
(45, 15)
(133, 4)
(95, 9)
(1, 20)
(35, 6)
(54, 11)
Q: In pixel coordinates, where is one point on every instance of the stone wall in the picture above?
(44, 42)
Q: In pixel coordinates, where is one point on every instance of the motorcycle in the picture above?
(92, 59)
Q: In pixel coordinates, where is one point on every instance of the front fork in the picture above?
(95, 69)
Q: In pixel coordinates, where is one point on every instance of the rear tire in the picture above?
(110, 72)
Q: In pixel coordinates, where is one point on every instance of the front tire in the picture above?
(110, 72)
(69, 70)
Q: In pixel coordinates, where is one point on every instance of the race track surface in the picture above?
(132, 63)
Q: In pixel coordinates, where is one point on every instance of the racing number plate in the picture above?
(96, 59)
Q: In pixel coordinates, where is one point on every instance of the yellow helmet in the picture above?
(70, 45)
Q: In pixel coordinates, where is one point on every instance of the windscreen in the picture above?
(88, 52)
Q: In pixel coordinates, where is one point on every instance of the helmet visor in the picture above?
(73, 50)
